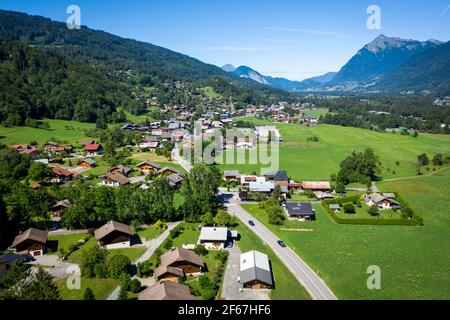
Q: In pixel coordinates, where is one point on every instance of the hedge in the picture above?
(416, 220)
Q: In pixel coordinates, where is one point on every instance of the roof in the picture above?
(299, 208)
(111, 226)
(86, 142)
(231, 173)
(181, 254)
(63, 203)
(213, 234)
(281, 176)
(61, 172)
(118, 177)
(261, 186)
(31, 234)
(150, 163)
(163, 269)
(318, 185)
(174, 179)
(92, 147)
(335, 206)
(389, 195)
(88, 161)
(255, 265)
(167, 290)
(121, 168)
(10, 258)
(377, 198)
(168, 169)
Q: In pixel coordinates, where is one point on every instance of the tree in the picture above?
(359, 167)
(340, 188)
(349, 208)
(40, 286)
(90, 258)
(118, 264)
(373, 210)
(39, 172)
(88, 294)
(415, 134)
(438, 160)
(423, 159)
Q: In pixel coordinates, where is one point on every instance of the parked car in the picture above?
(251, 223)
(281, 243)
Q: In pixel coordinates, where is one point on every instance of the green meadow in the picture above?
(414, 261)
(308, 160)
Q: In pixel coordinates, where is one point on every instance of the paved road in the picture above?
(180, 160)
(151, 245)
(315, 286)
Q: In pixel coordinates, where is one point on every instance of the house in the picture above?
(87, 163)
(213, 238)
(167, 290)
(300, 211)
(261, 187)
(148, 167)
(231, 175)
(26, 149)
(61, 175)
(86, 142)
(316, 185)
(120, 168)
(176, 260)
(93, 149)
(255, 271)
(335, 207)
(245, 143)
(33, 242)
(175, 180)
(50, 145)
(383, 202)
(114, 235)
(115, 179)
(167, 171)
(6, 260)
(60, 207)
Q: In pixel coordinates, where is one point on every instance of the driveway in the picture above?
(309, 279)
(54, 266)
(230, 288)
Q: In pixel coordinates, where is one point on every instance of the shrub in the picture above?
(201, 250)
(309, 194)
(373, 210)
(101, 271)
(118, 264)
(349, 208)
(145, 269)
(90, 258)
(135, 286)
(88, 294)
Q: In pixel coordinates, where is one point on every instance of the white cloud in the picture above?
(309, 31)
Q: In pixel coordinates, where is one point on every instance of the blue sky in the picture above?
(295, 39)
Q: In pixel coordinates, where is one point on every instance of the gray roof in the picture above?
(299, 208)
(231, 173)
(389, 195)
(335, 206)
(255, 265)
(213, 234)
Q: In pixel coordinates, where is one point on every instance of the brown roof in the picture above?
(85, 142)
(167, 290)
(117, 176)
(121, 168)
(181, 254)
(170, 169)
(111, 226)
(61, 172)
(166, 269)
(92, 147)
(30, 234)
(150, 163)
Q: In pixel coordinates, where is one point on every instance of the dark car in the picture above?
(251, 223)
(281, 243)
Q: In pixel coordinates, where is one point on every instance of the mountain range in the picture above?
(386, 64)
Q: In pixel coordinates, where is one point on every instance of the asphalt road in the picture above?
(315, 286)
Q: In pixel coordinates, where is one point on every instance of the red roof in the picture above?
(92, 147)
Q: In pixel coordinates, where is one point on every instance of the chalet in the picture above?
(87, 163)
(86, 142)
(167, 171)
(176, 260)
(150, 142)
(166, 136)
(175, 180)
(255, 271)
(383, 202)
(60, 207)
(61, 175)
(148, 167)
(261, 187)
(60, 150)
(120, 168)
(26, 149)
(213, 238)
(50, 145)
(323, 186)
(93, 149)
(231, 175)
(167, 290)
(33, 242)
(115, 179)
(6, 260)
(114, 235)
(300, 211)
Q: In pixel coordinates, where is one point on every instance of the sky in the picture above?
(295, 39)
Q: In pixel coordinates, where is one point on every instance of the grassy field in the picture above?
(132, 253)
(413, 260)
(65, 132)
(189, 235)
(315, 112)
(56, 242)
(102, 288)
(149, 233)
(286, 287)
(307, 160)
(210, 93)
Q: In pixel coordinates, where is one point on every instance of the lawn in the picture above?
(65, 132)
(152, 156)
(315, 112)
(210, 93)
(132, 253)
(102, 288)
(286, 286)
(56, 242)
(362, 213)
(188, 236)
(308, 160)
(75, 257)
(149, 233)
(413, 260)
